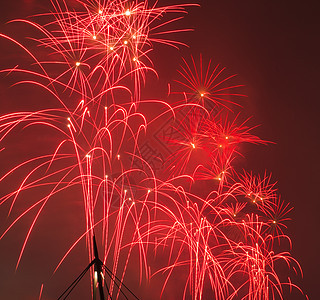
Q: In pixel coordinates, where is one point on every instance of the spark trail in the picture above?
(223, 241)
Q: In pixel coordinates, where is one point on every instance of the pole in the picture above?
(98, 278)
(97, 272)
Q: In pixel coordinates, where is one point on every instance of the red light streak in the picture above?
(223, 237)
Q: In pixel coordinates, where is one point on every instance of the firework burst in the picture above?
(196, 224)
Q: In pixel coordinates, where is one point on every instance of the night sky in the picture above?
(273, 46)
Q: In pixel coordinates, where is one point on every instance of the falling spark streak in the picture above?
(219, 240)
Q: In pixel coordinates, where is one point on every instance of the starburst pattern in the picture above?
(211, 229)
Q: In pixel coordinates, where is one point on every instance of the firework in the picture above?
(197, 215)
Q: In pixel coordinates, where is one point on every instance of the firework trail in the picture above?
(200, 222)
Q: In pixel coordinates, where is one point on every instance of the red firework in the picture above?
(210, 230)
(204, 83)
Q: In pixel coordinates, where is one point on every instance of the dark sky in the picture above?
(273, 46)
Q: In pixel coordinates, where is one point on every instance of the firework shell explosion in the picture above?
(159, 181)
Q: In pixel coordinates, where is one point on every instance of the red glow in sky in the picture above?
(102, 134)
